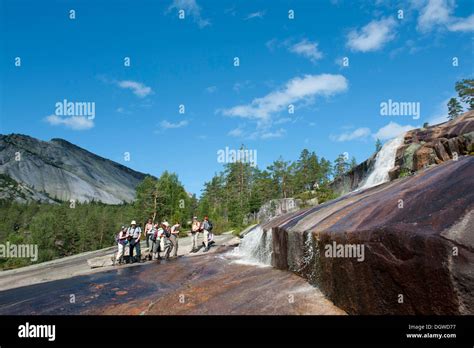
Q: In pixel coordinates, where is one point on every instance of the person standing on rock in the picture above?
(165, 243)
(122, 242)
(205, 228)
(135, 232)
(148, 232)
(155, 242)
(195, 227)
(174, 238)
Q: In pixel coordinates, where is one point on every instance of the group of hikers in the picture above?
(161, 238)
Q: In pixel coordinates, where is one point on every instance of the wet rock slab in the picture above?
(204, 284)
(417, 234)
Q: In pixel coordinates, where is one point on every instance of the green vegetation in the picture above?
(404, 172)
(241, 189)
(465, 90)
(60, 230)
(454, 108)
(164, 199)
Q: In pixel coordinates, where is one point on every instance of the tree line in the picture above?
(239, 191)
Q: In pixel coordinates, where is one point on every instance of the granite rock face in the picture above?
(277, 207)
(62, 171)
(417, 237)
(352, 179)
(436, 144)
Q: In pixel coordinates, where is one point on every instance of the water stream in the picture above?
(384, 162)
(255, 248)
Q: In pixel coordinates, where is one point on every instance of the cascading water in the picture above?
(255, 248)
(384, 161)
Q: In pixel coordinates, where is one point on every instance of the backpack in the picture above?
(209, 225)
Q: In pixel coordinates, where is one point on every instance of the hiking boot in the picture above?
(205, 250)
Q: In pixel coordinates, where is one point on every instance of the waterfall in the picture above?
(384, 161)
(255, 248)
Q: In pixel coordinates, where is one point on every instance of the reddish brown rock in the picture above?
(418, 240)
(394, 172)
(424, 157)
(436, 144)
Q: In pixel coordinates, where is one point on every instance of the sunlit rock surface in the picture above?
(202, 284)
(436, 144)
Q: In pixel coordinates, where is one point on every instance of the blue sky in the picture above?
(190, 61)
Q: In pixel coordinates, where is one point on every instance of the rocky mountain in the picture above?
(54, 170)
(10, 190)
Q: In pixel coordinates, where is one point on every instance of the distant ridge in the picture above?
(59, 170)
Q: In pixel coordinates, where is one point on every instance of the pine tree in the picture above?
(454, 108)
(353, 163)
(465, 89)
(340, 165)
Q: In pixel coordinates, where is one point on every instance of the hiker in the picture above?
(152, 238)
(165, 243)
(156, 248)
(122, 243)
(206, 227)
(195, 227)
(148, 232)
(134, 234)
(174, 238)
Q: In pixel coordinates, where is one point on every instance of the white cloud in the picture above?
(307, 49)
(238, 86)
(169, 125)
(211, 89)
(138, 88)
(236, 132)
(373, 36)
(462, 24)
(295, 90)
(258, 14)
(191, 8)
(272, 44)
(275, 134)
(73, 122)
(433, 13)
(357, 134)
(391, 130)
(283, 120)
